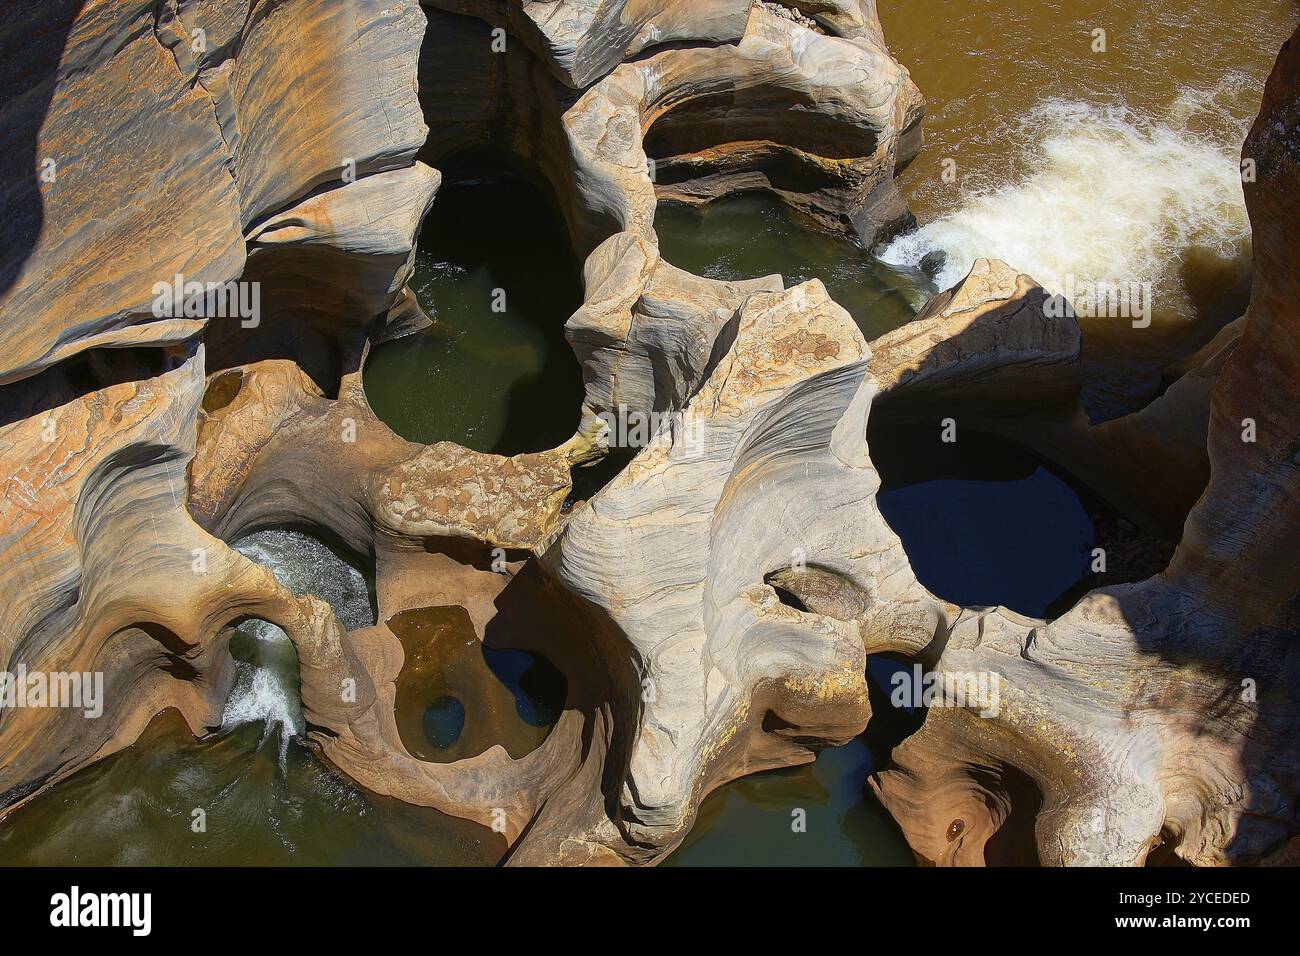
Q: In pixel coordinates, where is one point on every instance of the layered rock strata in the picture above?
(149, 140)
(712, 608)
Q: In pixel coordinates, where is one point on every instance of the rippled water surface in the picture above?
(751, 236)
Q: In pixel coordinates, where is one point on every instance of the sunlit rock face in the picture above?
(742, 97)
(732, 679)
(311, 193)
(147, 139)
(1236, 546)
(110, 576)
(161, 144)
(698, 123)
(709, 611)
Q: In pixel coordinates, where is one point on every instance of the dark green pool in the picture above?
(750, 822)
(495, 272)
(750, 236)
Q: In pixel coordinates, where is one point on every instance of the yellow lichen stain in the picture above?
(844, 683)
(739, 714)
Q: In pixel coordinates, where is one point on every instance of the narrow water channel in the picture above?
(307, 565)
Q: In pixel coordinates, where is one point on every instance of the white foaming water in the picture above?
(260, 695)
(263, 693)
(306, 566)
(1108, 196)
(267, 692)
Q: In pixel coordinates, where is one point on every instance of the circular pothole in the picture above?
(494, 372)
(444, 721)
(457, 698)
(222, 390)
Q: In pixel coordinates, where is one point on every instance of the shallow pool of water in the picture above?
(495, 272)
(752, 821)
(457, 697)
(751, 236)
(983, 522)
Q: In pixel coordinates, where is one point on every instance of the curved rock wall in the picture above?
(164, 139)
(109, 575)
(152, 136)
(1239, 547)
(1159, 715)
(711, 608)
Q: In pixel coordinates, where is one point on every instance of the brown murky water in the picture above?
(457, 697)
(1082, 163)
(984, 65)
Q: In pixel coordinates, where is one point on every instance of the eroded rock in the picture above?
(712, 608)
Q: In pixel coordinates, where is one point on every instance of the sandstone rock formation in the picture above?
(647, 331)
(1159, 715)
(731, 682)
(713, 606)
(110, 575)
(695, 120)
(1022, 380)
(159, 141)
(311, 193)
(149, 138)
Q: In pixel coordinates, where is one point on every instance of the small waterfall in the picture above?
(266, 684)
(266, 668)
